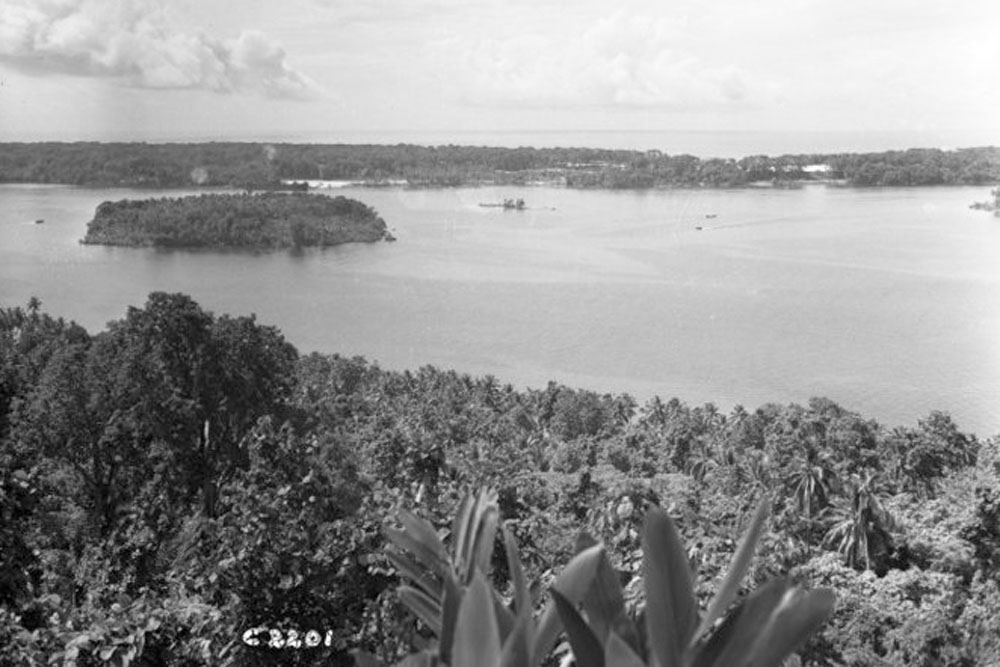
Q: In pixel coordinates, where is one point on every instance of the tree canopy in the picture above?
(182, 478)
(269, 166)
(271, 220)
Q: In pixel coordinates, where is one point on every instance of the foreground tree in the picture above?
(199, 384)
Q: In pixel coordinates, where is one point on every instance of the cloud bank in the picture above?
(131, 40)
(619, 61)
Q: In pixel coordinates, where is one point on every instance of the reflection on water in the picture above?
(886, 300)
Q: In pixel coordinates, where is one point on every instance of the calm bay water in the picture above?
(887, 301)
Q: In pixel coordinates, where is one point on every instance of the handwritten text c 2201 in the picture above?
(290, 638)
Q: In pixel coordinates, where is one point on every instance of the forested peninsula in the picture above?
(272, 166)
(186, 488)
(266, 220)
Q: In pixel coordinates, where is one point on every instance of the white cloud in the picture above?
(131, 40)
(380, 11)
(623, 61)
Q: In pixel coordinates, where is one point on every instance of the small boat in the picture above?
(711, 215)
(39, 221)
(507, 205)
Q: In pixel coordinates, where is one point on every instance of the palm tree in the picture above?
(624, 407)
(861, 524)
(756, 468)
(11, 319)
(701, 460)
(655, 412)
(810, 481)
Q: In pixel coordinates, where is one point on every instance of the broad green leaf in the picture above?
(573, 583)
(605, 601)
(731, 642)
(423, 531)
(587, 650)
(423, 606)
(426, 555)
(522, 596)
(422, 578)
(477, 641)
(516, 650)
(449, 615)
(505, 617)
(584, 540)
(422, 659)
(617, 653)
(629, 631)
(460, 524)
(671, 609)
(799, 614)
(578, 575)
(465, 549)
(486, 537)
(730, 586)
(476, 534)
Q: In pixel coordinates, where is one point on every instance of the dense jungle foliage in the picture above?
(269, 220)
(265, 166)
(180, 479)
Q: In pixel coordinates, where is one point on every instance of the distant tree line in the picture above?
(974, 166)
(180, 478)
(268, 220)
(265, 166)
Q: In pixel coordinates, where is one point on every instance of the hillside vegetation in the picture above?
(181, 478)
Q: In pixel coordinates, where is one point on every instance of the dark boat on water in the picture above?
(507, 205)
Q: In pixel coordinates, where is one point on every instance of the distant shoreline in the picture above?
(263, 167)
(705, 144)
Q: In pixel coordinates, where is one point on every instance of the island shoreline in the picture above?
(256, 167)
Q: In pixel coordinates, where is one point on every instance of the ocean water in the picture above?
(884, 300)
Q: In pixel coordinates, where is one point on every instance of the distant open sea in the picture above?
(704, 144)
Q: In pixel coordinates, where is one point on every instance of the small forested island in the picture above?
(261, 221)
(288, 166)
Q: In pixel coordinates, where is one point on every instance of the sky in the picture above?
(249, 69)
